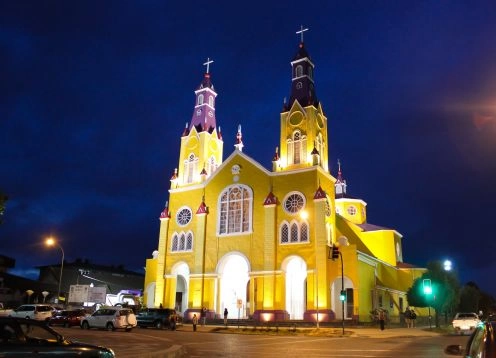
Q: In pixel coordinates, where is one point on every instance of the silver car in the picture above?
(111, 318)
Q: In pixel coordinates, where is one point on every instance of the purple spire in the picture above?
(203, 118)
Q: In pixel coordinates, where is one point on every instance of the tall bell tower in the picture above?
(303, 139)
(201, 141)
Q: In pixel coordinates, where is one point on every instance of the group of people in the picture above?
(410, 317)
(203, 317)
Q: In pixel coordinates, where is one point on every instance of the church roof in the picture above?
(371, 227)
(301, 53)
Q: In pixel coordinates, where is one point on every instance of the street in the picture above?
(154, 343)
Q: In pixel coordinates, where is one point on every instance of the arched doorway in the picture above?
(181, 270)
(233, 274)
(296, 274)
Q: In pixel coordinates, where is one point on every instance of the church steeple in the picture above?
(302, 83)
(303, 140)
(201, 142)
(203, 118)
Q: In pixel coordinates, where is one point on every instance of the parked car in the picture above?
(39, 312)
(465, 322)
(157, 317)
(110, 318)
(21, 337)
(67, 318)
(481, 344)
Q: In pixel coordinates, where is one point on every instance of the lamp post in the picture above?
(52, 242)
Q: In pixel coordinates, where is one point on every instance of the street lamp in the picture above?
(52, 242)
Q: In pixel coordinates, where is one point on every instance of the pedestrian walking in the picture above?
(225, 316)
(195, 322)
(203, 316)
(382, 319)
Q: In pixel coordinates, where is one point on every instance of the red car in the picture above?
(67, 318)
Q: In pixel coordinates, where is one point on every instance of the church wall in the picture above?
(150, 276)
(366, 299)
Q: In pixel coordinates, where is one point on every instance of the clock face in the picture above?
(184, 216)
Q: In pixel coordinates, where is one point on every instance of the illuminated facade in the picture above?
(237, 235)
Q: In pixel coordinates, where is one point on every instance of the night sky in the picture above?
(94, 96)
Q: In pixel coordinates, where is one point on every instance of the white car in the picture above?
(465, 322)
(39, 312)
(111, 318)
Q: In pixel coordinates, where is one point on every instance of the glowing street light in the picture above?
(447, 265)
(52, 242)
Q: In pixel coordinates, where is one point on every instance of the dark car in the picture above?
(156, 317)
(482, 342)
(67, 318)
(21, 337)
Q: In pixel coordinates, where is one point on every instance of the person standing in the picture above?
(408, 317)
(225, 316)
(413, 315)
(195, 322)
(382, 319)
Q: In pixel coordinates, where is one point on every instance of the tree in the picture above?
(473, 299)
(445, 290)
(3, 201)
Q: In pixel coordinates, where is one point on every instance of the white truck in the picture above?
(465, 322)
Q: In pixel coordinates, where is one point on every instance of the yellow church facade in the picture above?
(257, 241)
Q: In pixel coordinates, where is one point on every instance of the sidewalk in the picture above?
(368, 332)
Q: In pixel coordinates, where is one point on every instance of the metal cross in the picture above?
(302, 30)
(209, 61)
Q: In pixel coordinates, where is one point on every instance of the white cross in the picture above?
(302, 30)
(209, 61)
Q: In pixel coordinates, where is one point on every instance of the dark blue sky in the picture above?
(94, 96)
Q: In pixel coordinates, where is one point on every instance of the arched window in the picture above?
(174, 242)
(235, 209)
(319, 144)
(212, 165)
(310, 72)
(200, 99)
(294, 233)
(284, 233)
(189, 242)
(304, 232)
(190, 169)
(299, 71)
(182, 242)
(296, 148)
(211, 101)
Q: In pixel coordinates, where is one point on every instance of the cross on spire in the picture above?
(209, 61)
(302, 30)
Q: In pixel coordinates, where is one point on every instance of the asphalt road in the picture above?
(158, 343)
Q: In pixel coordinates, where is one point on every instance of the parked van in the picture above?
(39, 312)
